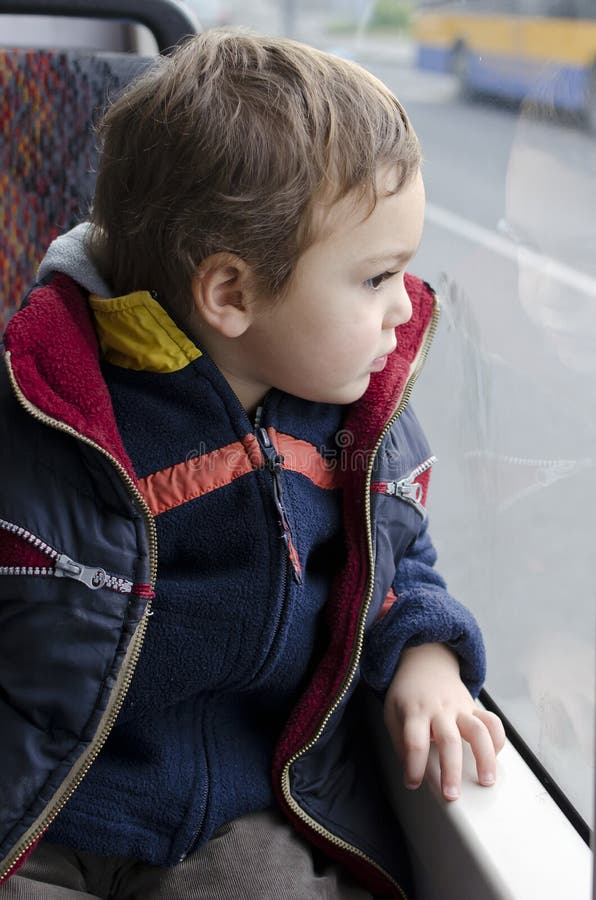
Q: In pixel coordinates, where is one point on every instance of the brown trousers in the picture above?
(256, 857)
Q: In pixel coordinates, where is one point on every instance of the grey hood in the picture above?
(70, 255)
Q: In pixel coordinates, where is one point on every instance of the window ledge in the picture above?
(507, 842)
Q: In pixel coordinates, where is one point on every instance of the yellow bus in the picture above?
(521, 49)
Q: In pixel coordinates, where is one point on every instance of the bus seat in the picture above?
(50, 100)
(47, 151)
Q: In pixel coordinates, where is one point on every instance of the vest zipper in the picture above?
(407, 488)
(63, 566)
(273, 461)
(293, 804)
(126, 672)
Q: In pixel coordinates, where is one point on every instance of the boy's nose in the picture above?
(400, 309)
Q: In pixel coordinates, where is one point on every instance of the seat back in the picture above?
(50, 101)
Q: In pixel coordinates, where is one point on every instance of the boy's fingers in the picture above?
(495, 727)
(476, 733)
(448, 740)
(415, 747)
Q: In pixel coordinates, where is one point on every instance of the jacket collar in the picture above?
(368, 416)
(52, 354)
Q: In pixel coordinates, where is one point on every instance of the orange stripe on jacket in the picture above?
(388, 602)
(199, 475)
(304, 458)
(188, 480)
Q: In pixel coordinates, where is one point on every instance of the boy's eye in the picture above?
(375, 283)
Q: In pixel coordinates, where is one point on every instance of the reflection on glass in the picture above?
(519, 444)
(550, 201)
(551, 208)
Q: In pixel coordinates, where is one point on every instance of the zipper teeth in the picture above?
(68, 429)
(422, 468)
(116, 583)
(428, 337)
(410, 478)
(31, 538)
(113, 582)
(338, 842)
(119, 584)
(136, 641)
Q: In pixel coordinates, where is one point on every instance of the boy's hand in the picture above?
(427, 701)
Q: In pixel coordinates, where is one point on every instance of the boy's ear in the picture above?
(223, 293)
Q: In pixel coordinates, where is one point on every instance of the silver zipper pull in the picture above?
(94, 578)
(410, 490)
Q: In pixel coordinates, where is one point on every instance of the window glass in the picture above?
(508, 397)
(505, 108)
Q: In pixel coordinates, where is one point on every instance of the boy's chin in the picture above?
(340, 397)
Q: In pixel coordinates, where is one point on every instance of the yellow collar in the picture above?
(135, 332)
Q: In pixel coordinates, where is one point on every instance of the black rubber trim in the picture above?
(168, 20)
(532, 761)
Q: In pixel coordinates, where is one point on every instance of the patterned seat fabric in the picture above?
(49, 103)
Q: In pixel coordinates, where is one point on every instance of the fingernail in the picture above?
(488, 778)
(412, 786)
(451, 792)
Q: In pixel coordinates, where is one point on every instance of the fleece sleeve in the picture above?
(424, 612)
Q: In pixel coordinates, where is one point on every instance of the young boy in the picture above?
(218, 367)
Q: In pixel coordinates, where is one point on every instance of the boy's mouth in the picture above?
(379, 364)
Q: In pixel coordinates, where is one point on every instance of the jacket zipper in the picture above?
(273, 461)
(93, 577)
(199, 827)
(285, 776)
(124, 678)
(407, 488)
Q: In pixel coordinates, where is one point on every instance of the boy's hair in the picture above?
(223, 147)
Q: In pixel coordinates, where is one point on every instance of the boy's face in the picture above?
(336, 323)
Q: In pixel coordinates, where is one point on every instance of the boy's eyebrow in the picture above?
(389, 257)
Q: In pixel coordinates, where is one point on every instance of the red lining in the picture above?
(16, 551)
(20, 862)
(65, 383)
